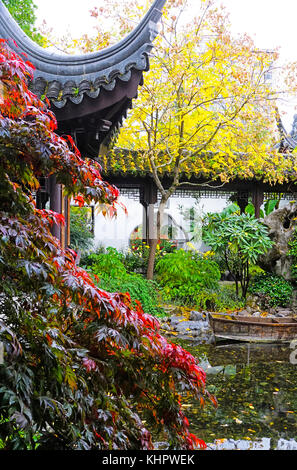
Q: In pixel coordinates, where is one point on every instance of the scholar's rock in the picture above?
(281, 224)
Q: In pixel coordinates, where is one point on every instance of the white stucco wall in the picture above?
(116, 232)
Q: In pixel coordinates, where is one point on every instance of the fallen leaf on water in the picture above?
(237, 420)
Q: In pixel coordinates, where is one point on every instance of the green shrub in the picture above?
(108, 262)
(220, 299)
(226, 299)
(81, 235)
(240, 239)
(139, 288)
(87, 257)
(113, 277)
(255, 271)
(188, 278)
(273, 290)
(293, 254)
(137, 257)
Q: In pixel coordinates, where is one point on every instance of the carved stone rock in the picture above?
(281, 224)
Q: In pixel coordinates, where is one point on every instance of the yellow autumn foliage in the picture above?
(205, 108)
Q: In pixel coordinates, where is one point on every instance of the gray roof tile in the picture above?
(64, 77)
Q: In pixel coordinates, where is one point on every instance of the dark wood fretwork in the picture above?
(240, 191)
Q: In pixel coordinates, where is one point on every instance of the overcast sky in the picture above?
(271, 23)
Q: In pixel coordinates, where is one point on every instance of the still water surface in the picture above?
(256, 389)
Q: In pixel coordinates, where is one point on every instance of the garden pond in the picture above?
(256, 389)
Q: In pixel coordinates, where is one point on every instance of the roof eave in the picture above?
(103, 65)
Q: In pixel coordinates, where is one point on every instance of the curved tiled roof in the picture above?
(72, 77)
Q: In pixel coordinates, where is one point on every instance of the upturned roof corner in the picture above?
(84, 73)
(90, 93)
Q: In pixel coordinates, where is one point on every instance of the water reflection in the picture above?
(256, 389)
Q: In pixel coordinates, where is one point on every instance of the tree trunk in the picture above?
(153, 242)
(151, 260)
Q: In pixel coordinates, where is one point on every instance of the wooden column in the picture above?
(144, 222)
(148, 198)
(55, 191)
(257, 199)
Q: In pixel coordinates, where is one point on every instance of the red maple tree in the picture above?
(82, 368)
